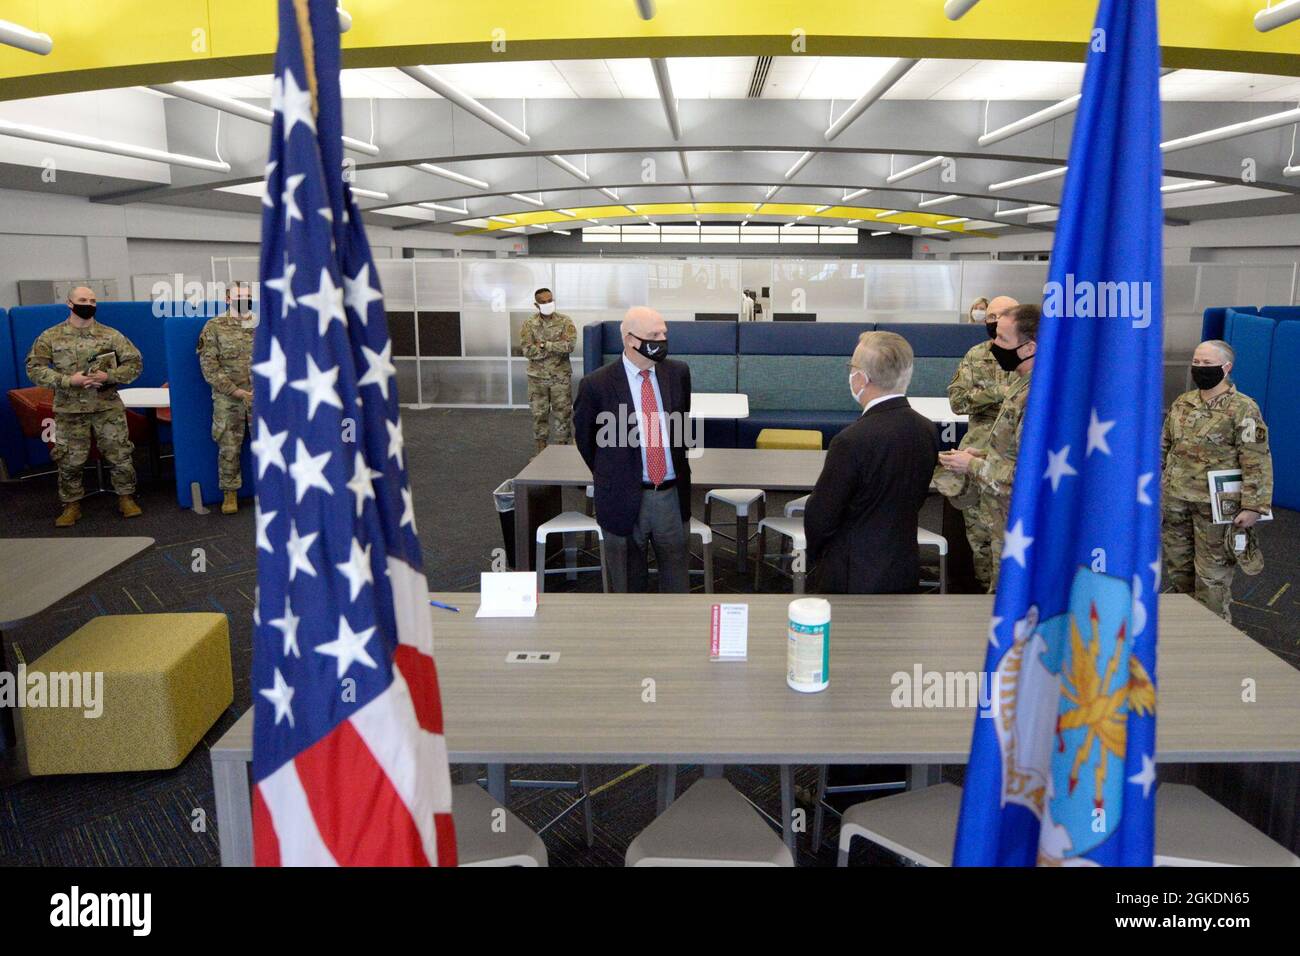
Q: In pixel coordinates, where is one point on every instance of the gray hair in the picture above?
(1223, 348)
(886, 358)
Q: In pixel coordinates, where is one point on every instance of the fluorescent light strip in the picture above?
(956, 9)
(609, 192)
(368, 193)
(60, 138)
(1056, 173)
(568, 167)
(453, 176)
(937, 202)
(821, 208)
(1271, 121)
(1033, 119)
(563, 232)
(907, 228)
(864, 102)
(426, 77)
(1189, 186)
(1023, 210)
(1288, 11)
(345, 20)
(441, 208)
(1291, 171)
(883, 232)
(952, 222)
(921, 167)
(503, 219)
(567, 212)
(11, 34)
(799, 164)
(855, 194)
(528, 199)
(852, 222)
(885, 214)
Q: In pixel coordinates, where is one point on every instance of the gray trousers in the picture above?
(659, 524)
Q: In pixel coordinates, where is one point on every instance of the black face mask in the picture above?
(1008, 359)
(241, 306)
(83, 311)
(656, 350)
(992, 328)
(1207, 377)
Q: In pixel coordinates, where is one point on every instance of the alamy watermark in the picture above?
(921, 688)
(625, 428)
(1085, 299)
(77, 690)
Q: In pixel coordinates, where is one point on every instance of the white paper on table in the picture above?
(507, 594)
(729, 632)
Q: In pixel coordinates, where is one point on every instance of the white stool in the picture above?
(741, 499)
(570, 522)
(928, 539)
(791, 528)
(487, 834)
(1193, 829)
(711, 824)
(796, 507)
(919, 825)
(705, 534)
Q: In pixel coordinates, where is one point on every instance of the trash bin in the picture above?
(504, 500)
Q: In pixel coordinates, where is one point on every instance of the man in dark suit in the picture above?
(632, 426)
(861, 518)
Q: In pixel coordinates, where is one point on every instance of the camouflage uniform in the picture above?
(547, 341)
(1199, 436)
(56, 355)
(225, 355)
(976, 390)
(996, 470)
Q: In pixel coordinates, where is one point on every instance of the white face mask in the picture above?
(546, 308)
(978, 315)
(857, 395)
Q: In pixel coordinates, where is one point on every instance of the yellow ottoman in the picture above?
(166, 680)
(790, 438)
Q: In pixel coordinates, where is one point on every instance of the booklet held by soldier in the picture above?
(103, 362)
(1225, 495)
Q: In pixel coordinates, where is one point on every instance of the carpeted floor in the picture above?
(456, 458)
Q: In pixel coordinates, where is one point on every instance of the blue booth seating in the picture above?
(1251, 337)
(196, 452)
(1214, 320)
(136, 320)
(796, 375)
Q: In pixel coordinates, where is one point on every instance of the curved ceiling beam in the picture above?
(101, 45)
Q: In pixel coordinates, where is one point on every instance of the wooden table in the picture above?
(771, 470)
(40, 572)
(589, 707)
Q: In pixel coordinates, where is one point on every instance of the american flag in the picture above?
(349, 759)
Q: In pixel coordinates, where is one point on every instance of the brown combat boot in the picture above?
(230, 503)
(71, 512)
(126, 504)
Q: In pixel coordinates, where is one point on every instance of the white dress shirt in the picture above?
(634, 383)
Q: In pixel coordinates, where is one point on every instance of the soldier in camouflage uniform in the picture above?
(547, 339)
(1210, 428)
(992, 464)
(225, 355)
(976, 391)
(84, 363)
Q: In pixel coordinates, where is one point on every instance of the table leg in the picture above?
(522, 544)
(497, 783)
(787, 805)
(234, 812)
(921, 775)
(666, 786)
(8, 737)
(155, 447)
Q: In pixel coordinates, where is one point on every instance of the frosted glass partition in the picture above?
(1023, 281)
(611, 284)
(906, 288)
(695, 285)
(455, 322)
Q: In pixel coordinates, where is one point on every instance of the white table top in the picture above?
(719, 405)
(935, 409)
(145, 397)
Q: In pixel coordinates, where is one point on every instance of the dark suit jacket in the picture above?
(861, 517)
(616, 470)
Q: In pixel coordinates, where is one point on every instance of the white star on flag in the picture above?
(1157, 567)
(357, 569)
(281, 695)
(326, 302)
(360, 293)
(267, 448)
(408, 510)
(1143, 481)
(264, 520)
(283, 284)
(1058, 466)
(1015, 543)
(993, 630)
(319, 388)
(1147, 776)
(288, 626)
(291, 210)
(266, 178)
(362, 482)
(308, 471)
(298, 546)
(1097, 430)
(395, 441)
(380, 369)
(295, 103)
(274, 369)
(349, 648)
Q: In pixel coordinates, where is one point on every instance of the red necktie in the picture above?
(656, 465)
